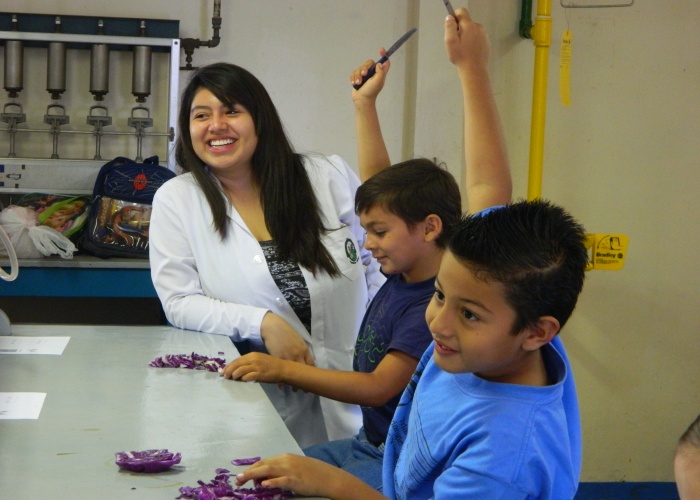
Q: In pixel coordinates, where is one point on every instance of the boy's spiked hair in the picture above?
(535, 249)
(412, 190)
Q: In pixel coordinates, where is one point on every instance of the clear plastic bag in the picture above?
(30, 239)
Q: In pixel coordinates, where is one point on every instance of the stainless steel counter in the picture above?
(102, 397)
(80, 261)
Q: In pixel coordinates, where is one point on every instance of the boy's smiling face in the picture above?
(398, 248)
(471, 323)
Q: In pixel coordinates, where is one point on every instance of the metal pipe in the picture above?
(526, 18)
(14, 63)
(99, 66)
(190, 44)
(542, 38)
(56, 66)
(169, 134)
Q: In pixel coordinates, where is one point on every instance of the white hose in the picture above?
(14, 264)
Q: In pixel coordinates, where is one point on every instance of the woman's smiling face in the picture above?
(222, 137)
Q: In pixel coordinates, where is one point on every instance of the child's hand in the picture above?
(256, 366)
(374, 85)
(307, 476)
(302, 475)
(468, 43)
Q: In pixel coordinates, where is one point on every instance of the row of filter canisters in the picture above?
(56, 66)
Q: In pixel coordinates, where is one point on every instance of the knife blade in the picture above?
(386, 56)
(450, 10)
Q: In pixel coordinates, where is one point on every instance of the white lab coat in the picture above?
(224, 287)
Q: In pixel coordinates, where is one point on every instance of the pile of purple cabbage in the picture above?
(192, 361)
(147, 461)
(220, 488)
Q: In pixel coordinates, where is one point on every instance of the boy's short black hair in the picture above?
(535, 249)
(412, 190)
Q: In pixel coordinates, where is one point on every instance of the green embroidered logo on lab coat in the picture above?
(351, 251)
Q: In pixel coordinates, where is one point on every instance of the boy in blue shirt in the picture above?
(406, 210)
(507, 284)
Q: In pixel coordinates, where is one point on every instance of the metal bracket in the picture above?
(140, 123)
(581, 4)
(55, 120)
(12, 119)
(98, 121)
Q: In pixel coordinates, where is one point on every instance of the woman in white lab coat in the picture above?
(262, 244)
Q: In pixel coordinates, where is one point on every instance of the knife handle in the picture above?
(370, 72)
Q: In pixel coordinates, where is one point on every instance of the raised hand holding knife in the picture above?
(386, 56)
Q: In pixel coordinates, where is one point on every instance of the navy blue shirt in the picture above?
(395, 320)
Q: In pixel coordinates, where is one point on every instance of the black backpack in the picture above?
(120, 211)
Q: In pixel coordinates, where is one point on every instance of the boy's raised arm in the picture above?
(488, 180)
(372, 154)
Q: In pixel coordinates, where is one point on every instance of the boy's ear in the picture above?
(541, 333)
(433, 227)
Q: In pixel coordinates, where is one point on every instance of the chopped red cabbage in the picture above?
(220, 488)
(245, 461)
(192, 361)
(147, 461)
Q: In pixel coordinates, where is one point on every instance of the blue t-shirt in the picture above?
(395, 320)
(460, 436)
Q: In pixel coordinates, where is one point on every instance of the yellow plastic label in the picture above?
(608, 251)
(565, 68)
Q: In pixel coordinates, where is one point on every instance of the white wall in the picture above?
(621, 158)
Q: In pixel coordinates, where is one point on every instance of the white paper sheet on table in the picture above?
(21, 405)
(33, 345)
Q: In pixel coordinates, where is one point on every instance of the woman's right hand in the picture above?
(283, 341)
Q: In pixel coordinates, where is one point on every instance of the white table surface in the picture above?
(102, 397)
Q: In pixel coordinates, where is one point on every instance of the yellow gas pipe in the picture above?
(541, 34)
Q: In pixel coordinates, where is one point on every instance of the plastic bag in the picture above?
(30, 239)
(66, 214)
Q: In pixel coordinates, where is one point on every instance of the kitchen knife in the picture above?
(386, 56)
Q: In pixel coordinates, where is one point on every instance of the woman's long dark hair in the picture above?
(291, 210)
